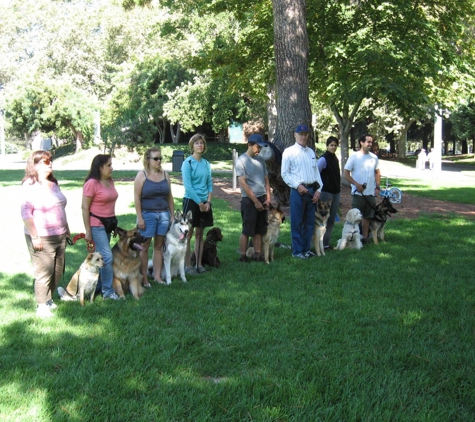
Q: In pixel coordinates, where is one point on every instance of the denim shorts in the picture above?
(156, 223)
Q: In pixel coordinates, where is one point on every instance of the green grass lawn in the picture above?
(385, 333)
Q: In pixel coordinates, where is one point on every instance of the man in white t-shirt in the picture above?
(362, 171)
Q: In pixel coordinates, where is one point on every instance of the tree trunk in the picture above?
(291, 62)
(222, 135)
(345, 120)
(402, 140)
(79, 141)
(271, 113)
(175, 134)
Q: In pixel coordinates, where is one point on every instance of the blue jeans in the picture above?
(302, 220)
(102, 242)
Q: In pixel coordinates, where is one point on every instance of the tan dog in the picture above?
(84, 281)
(350, 236)
(126, 265)
(275, 218)
(322, 212)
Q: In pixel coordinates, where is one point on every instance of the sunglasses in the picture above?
(46, 161)
(155, 158)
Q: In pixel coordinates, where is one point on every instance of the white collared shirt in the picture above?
(299, 166)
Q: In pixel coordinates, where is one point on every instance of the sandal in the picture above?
(147, 284)
(160, 282)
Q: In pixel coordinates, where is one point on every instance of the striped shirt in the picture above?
(299, 166)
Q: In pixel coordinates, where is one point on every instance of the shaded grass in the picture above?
(385, 333)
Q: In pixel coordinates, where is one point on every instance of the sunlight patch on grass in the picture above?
(411, 317)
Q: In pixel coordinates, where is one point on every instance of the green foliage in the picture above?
(52, 107)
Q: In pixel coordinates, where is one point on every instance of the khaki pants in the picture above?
(48, 265)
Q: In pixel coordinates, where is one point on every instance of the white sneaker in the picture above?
(44, 311)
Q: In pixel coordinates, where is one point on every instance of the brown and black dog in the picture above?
(126, 265)
(210, 249)
(383, 210)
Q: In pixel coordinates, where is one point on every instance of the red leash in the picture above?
(91, 247)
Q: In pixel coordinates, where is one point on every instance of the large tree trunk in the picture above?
(291, 63)
(271, 112)
(402, 141)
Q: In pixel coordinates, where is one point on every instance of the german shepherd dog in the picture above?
(84, 280)
(383, 210)
(174, 247)
(126, 265)
(210, 249)
(322, 212)
(275, 218)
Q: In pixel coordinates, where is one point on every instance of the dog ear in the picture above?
(189, 216)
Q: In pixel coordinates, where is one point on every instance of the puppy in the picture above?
(275, 218)
(383, 210)
(174, 247)
(210, 249)
(84, 281)
(322, 212)
(350, 236)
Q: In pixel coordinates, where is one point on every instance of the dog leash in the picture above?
(90, 246)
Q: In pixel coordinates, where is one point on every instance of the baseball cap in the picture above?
(257, 139)
(301, 128)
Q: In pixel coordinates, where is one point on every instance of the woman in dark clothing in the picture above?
(329, 168)
(154, 207)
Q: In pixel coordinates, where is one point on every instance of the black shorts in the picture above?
(366, 204)
(199, 219)
(253, 221)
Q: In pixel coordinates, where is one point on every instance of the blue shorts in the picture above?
(156, 223)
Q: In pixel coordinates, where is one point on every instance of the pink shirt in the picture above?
(103, 199)
(46, 206)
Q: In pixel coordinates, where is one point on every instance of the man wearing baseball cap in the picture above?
(300, 172)
(255, 191)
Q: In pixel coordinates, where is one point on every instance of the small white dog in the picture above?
(350, 237)
(84, 280)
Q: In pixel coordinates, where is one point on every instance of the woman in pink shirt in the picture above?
(46, 227)
(99, 198)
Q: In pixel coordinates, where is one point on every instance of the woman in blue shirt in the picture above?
(196, 173)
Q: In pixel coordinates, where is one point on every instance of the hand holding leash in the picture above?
(91, 247)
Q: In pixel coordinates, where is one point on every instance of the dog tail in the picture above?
(64, 295)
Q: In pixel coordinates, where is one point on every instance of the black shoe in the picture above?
(243, 259)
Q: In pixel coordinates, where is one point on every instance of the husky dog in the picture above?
(84, 281)
(383, 210)
(126, 265)
(210, 249)
(350, 235)
(322, 212)
(174, 248)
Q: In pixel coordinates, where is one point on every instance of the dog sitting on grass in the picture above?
(350, 236)
(210, 249)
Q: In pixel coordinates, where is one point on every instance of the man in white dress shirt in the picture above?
(300, 172)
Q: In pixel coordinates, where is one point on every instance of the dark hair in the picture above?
(332, 139)
(363, 138)
(98, 162)
(30, 172)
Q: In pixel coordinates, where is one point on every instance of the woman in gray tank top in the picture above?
(154, 207)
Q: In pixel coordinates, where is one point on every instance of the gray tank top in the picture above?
(155, 195)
